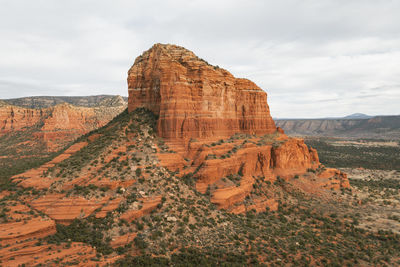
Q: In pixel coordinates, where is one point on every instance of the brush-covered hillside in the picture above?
(34, 129)
(106, 199)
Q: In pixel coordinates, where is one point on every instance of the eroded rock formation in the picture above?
(194, 99)
(198, 104)
(57, 125)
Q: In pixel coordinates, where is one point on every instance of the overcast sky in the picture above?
(314, 58)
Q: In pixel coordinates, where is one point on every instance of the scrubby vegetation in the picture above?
(301, 235)
(187, 257)
(376, 184)
(90, 231)
(301, 232)
(184, 228)
(351, 156)
(19, 152)
(13, 166)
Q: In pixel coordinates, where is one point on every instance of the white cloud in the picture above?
(314, 58)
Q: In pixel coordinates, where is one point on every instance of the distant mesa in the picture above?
(56, 120)
(356, 125)
(37, 102)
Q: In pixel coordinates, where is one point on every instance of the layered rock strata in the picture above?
(58, 125)
(198, 104)
(194, 99)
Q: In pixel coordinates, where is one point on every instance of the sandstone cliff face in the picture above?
(194, 99)
(229, 168)
(13, 118)
(57, 125)
(203, 103)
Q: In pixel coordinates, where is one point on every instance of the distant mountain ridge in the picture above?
(358, 116)
(37, 102)
(355, 125)
(351, 116)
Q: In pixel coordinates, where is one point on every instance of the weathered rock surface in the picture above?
(21, 230)
(65, 209)
(31, 254)
(56, 125)
(269, 157)
(194, 99)
(149, 204)
(35, 178)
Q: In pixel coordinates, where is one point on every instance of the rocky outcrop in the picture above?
(35, 178)
(65, 209)
(20, 230)
(22, 235)
(194, 99)
(31, 254)
(58, 125)
(13, 118)
(198, 104)
(148, 205)
(231, 167)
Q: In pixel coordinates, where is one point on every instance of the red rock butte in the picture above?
(194, 99)
(197, 103)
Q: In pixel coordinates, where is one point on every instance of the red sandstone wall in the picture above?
(57, 125)
(194, 99)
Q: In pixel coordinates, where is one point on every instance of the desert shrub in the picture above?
(189, 257)
(81, 231)
(369, 157)
(188, 179)
(140, 242)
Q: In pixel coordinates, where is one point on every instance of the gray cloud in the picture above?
(314, 58)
